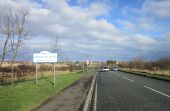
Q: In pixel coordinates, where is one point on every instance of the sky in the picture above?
(96, 30)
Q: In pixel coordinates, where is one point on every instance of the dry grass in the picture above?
(47, 73)
(7, 64)
(157, 72)
(41, 74)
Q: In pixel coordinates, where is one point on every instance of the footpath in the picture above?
(71, 98)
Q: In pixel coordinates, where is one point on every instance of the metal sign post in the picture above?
(54, 73)
(36, 74)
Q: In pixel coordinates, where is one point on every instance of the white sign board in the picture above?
(45, 57)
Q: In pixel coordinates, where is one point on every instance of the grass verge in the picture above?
(154, 76)
(27, 95)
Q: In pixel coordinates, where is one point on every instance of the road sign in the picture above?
(45, 57)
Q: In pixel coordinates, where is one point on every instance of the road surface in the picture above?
(119, 91)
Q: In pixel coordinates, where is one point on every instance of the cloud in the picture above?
(127, 25)
(159, 8)
(150, 16)
(81, 35)
(141, 24)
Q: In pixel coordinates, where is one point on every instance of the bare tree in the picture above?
(14, 29)
(6, 30)
(20, 34)
(55, 47)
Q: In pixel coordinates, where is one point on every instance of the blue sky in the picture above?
(97, 29)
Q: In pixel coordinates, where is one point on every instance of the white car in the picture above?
(114, 69)
(105, 68)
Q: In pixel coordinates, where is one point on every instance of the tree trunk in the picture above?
(12, 67)
(12, 71)
(3, 58)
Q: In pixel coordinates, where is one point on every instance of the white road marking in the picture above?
(128, 79)
(95, 98)
(157, 91)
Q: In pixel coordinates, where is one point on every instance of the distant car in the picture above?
(105, 68)
(114, 69)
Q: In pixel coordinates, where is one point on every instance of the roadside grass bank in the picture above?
(31, 77)
(27, 95)
(147, 74)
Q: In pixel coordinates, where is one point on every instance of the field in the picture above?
(162, 75)
(27, 95)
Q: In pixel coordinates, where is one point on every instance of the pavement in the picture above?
(71, 98)
(120, 91)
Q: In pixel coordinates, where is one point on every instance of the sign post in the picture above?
(54, 74)
(45, 57)
(36, 74)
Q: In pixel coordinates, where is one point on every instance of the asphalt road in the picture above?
(119, 91)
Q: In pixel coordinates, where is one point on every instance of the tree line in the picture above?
(141, 64)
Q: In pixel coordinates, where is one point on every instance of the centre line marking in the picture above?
(128, 79)
(157, 91)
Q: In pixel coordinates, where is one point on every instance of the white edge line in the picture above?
(157, 91)
(128, 79)
(95, 101)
